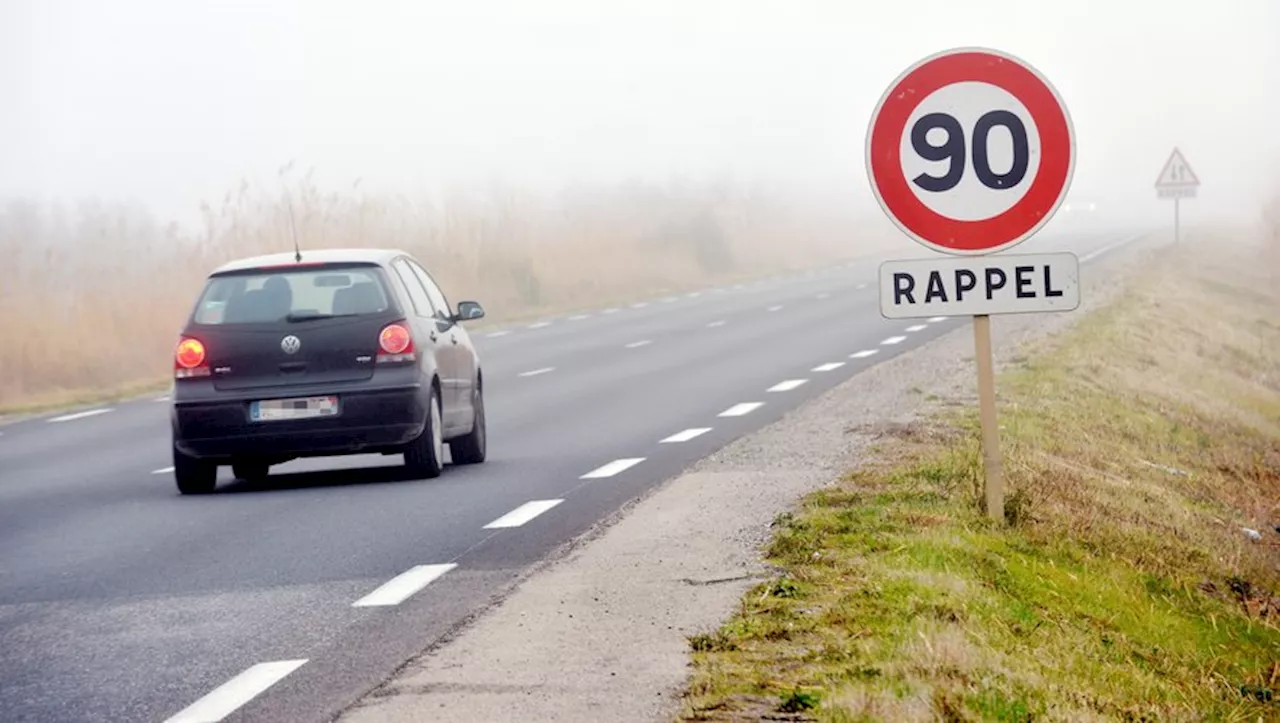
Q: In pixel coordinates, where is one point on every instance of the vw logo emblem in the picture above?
(290, 344)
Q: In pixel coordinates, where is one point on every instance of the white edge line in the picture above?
(162, 470)
(917, 327)
(777, 307)
(536, 372)
(540, 325)
(786, 386)
(714, 324)
(522, 514)
(638, 344)
(894, 340)
(686, 435)
(613, 310)
(402, 586)
(863, 354)
(161, 399)
(936, 319)
(233, 694)
(493, 334)
(81, 415)
(829, 366)
(617, 466)
(741, 409)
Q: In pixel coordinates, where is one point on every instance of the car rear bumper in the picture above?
(368, 421)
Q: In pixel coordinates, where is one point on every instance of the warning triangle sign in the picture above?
(1177, 172)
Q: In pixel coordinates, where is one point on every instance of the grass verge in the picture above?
(1137, 446)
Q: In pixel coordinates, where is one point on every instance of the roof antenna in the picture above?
(297, 251)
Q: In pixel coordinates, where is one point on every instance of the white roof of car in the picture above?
(317, 256)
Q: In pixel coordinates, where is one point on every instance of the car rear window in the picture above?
(275, 295)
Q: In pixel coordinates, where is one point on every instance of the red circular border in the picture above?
(955, 235)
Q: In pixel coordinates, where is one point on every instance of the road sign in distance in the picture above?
(970, 151)
(1176, 179)
(1013, 284)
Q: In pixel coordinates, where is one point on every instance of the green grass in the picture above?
(1117, 590)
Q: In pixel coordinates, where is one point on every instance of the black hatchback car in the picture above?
(347, 351)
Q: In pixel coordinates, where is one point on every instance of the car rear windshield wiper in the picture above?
(312, 317)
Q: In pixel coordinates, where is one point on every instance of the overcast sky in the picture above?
(168, 102)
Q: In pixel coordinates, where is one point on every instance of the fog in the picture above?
(166, 104)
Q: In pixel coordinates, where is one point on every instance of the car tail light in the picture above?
(190, 359)
(395, 344)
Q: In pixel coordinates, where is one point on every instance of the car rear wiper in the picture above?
(291, 318)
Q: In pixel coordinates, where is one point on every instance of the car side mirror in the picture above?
(468, 311)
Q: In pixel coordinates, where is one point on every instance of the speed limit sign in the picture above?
(970, 151)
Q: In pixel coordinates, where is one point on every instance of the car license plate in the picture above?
(273, 410)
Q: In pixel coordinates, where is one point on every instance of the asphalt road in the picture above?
(122, 601)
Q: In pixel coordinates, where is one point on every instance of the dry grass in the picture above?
(1137, 446)
(93, 297)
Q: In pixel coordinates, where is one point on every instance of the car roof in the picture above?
(323, 256)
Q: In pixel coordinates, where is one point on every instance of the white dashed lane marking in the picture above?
(739, 410)
(916, 327)
(670, 300)
(936, 319)
(540, 325)
(162, 470)
(686, 435)
(522, 514)
(777, 307)
(894, 340)
(787, 386)
(829, 366)
(640, 305)
(823, 295)
(233, 694)
(863, 354)
(861, 287)
(402, 586)
(714, 324)
(80, 415)
(536, 372)
(610, 311)
(498, 333)
(615, 467)
(638, 344)
(579, 317)
(694, 294)
(161, 399)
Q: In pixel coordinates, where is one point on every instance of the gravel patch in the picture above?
(599, 631)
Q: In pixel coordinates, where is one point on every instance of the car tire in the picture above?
(424, 457)
(472, 447)
(194, 476)
(250, 471)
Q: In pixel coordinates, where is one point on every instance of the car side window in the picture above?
(417, 293)
(438, 299)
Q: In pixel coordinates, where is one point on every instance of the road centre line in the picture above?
(80, 415)
(536, 372)
(402, 586)
(742, 409)
(522, 514)
(686, 435)
(233, 694)
(617, 466)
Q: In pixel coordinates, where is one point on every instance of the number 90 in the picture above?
(953, 150)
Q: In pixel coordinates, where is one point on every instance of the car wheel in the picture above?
(250, 471)
(424, 457)
(471, 447)
(194, 476)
